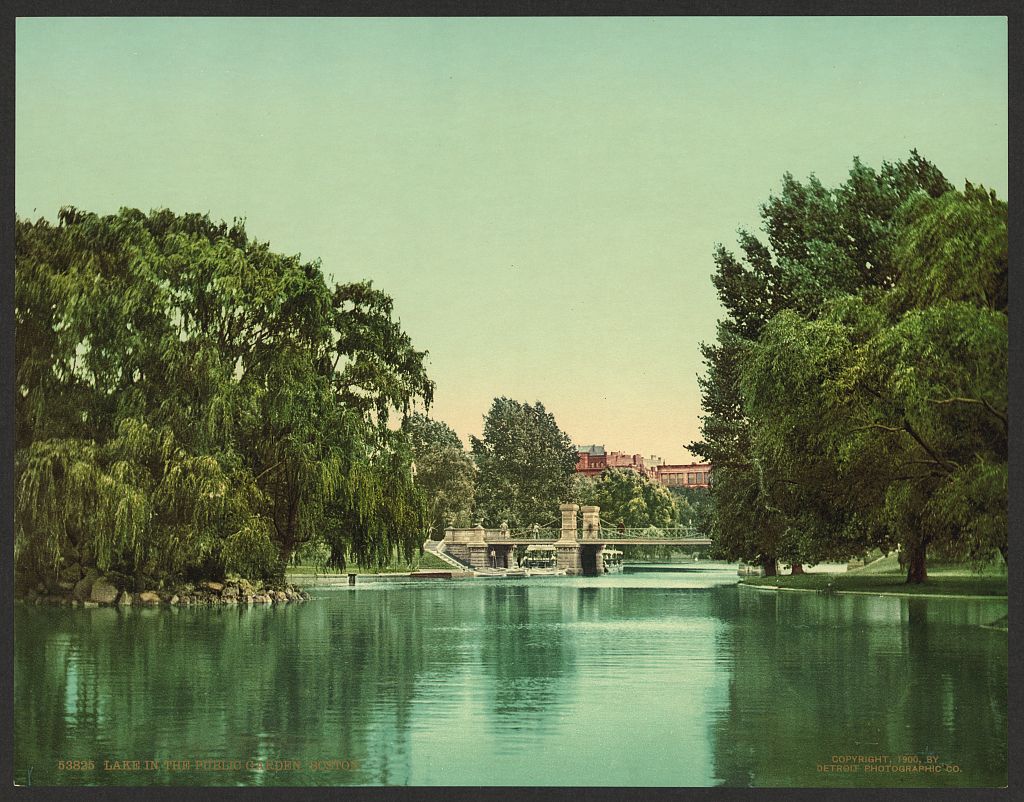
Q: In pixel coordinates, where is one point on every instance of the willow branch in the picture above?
(981, 401)
(268, 470)
(944, 464)
(881, 426)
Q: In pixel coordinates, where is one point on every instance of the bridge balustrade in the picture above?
(604, 533)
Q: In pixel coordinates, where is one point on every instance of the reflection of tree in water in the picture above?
(531, 642)
(298, 682)
(809, 676)
(526, 648)
(814, 676)
(45, 690)
(957, 686)
(377, 651)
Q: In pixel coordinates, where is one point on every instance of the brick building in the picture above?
(693, 474)
(592, 460)
(619, 459)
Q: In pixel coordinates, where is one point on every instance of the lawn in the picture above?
(419, 562)
(885, 576)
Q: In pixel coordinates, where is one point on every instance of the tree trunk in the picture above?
(279, 568)
(916, 570)
(769, 565)
(797, 569)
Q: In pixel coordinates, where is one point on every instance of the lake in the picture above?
(628, 680)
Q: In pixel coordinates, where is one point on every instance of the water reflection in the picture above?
(628, 680)
(524, 654)
(815, 677)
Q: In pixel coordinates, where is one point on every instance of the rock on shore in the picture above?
(94, 590)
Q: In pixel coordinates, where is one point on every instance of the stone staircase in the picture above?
(436, 548)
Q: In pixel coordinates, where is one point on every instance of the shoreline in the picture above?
(334, 580)
(897, 594)
(885, 577)
(95, 590)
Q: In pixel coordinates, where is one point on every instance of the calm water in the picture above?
(644, 679)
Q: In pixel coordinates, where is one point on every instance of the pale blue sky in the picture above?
(541, 197)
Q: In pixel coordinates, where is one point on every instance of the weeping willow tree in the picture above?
(190, 403)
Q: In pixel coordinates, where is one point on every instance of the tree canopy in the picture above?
(856, 396)
(525, 465)
(626, 497)
(444, 472)
(189, 401)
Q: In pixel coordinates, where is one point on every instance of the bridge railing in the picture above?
(525, 534)
(673, 533)
(604, 533)
(649, 532)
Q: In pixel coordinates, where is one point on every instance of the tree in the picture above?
(742, 526)
(933, 381)
(525, 465)
(821, 244)
(790, 385)
(693, 508)
(444, 472)
(189, 402)
(626, 497)
(884, 419)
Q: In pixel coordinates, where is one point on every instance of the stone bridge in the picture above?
(578, 549)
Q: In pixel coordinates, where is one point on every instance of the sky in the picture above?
(540, 196)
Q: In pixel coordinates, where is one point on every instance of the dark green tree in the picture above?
(821, 244)
(884, 418)
(189, 401)
(525, 465)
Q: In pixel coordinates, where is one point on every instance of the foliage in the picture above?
(444, 472)
(694, 508)
(627, 498)
(427, 434)
(525, 465)
(189, 401)
(872, 410)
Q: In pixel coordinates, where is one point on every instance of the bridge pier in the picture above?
(477, 549)
(567, 549)
(567, 558)
(591, 563)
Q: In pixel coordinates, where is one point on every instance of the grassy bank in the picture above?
(419, 562)
(885, 576)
